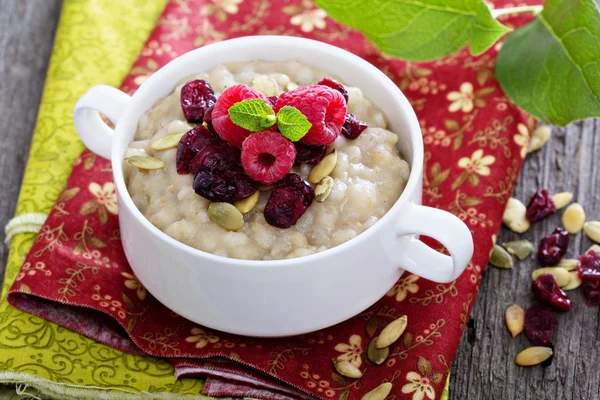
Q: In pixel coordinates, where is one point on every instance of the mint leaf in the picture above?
(550, 68)
(252, 114)
(419, 30)
(292, 123)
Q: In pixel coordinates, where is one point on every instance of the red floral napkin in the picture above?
(475, 140)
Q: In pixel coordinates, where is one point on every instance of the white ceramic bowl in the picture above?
(279, 297)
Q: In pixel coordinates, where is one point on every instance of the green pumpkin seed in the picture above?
(533, 356)
(573, 218)
(346, 369)
(561, 275)
(539, 137)
(515, 319)
(570, 264)
(562, 199)
(392, 332)
(323, 168)
(226, 216)
(375, 355)
(514, 216)
(266, 188)
(519, 248)
(500, 258)
(323, 189)
(592, 230)
(575, 281)
(247, 204)
(146, 162)
(379, 393)
(166, 142)
(594, 247)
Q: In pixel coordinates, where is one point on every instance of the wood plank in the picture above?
(26, 36)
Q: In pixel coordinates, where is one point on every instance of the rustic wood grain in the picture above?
(26, 37)
(484, 367)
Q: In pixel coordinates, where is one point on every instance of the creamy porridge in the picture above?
(368, 178)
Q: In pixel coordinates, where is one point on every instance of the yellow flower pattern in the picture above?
(477, 163)
(201, 338)
(352, 351)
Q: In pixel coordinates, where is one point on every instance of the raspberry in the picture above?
(189, 146)
(309, 154)
(227, 186)
(335, 85)
(196, 97)
(267, 156)
(288, 202)
(221, 121)
(325, 109)
(353, 127)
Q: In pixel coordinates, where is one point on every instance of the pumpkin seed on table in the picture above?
(323, 168)
(562, 199)
(561, 275)
(519, 248)
(346, 369)
(539, 137)
(379, 393)
(515, 319)
(575, 281)
(500, 258)
(146, 162)
(592, 230)
(594, 247)
(167, 142)
(533, 356)
(226, 216)
(246, 205)
(323, 189)
(514, 216)
(266, 188)
(376, 355)
(392, 332)
(570, 264)
(573, 218)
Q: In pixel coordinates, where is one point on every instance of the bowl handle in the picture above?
(444, 227)
(94, 133)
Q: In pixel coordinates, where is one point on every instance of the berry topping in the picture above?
(353, 127)
(288, 202)
(553, 247)
(589, 270)
(309, 154)
(272, 100)
(335, 85)
(267, 156)
(224, 186)
(208, 120)
(190, 145)
(221, 119)
(196, 97)
(540, 206)
(547, 291)
(540, 323)
(325, 109)
(217, 156)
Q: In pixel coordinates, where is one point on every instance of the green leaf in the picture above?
(254, 115)
(550, 68)
(292, 123)
(419, 30)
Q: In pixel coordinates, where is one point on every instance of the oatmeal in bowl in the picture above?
(264, 194)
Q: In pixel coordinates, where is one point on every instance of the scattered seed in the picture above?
(570, 264)
(515, 319)
(323, 189)
(146, 162)
(178, 126)
(245, 205)
(561, 275)
(514, 216)
(266, 188)
(575, 281)
(379, 393)
(375, 355)
(562, 199)
(592, 230)
(392, 332)
(573, 218)
(167, 142)
(346, 369)
(226, 216)
(323, 168)
(500, 258)
(519, 248)
(539, 137)
(533, 356)
(594, 247)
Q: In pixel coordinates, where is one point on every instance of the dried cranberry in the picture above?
(589, 270)
(332, 83)
(208, 120)
(272, 100)
(225, 186)
(540, 206)
(547, 291)
(353, 127)
(196, 97)
(553, 247)
(540, 323)
(288, 202)
(217, 156)
(190, 144)
(308, 153)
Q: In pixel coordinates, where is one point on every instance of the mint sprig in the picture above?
(253, 115)
(292, 123)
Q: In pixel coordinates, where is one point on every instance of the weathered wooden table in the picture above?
(484, 367)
